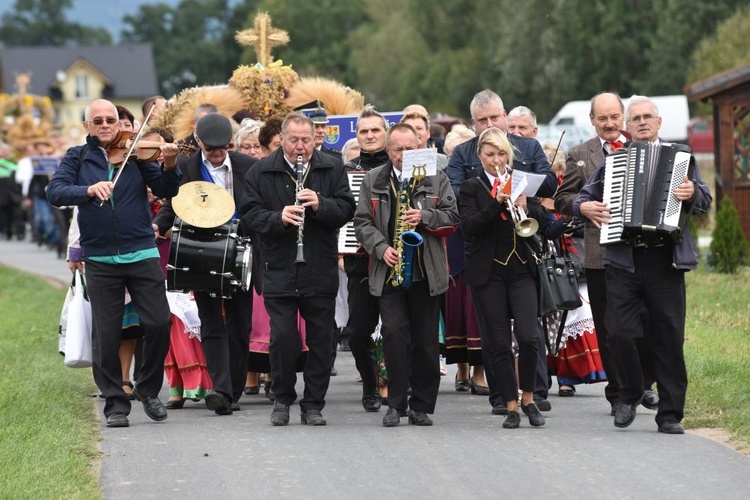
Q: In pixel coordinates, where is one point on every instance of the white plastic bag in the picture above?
(78, 332)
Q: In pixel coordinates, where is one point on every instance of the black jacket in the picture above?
(269, 187)
(191, 171)
(488, 234)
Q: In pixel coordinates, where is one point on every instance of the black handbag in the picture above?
(562, 275)
(558, 282)
(546, 300)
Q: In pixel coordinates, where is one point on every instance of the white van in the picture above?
(672, 108)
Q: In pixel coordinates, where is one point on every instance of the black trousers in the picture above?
(363, 318)
(510, 292)
(596, 281)
(106, 286)
(225, 335)
(411, 346)
(285, 347)
(659, 288)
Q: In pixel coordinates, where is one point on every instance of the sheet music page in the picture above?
(518, 189)
(531, 182)
(426, 158)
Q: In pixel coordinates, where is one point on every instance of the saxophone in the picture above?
(404, 240)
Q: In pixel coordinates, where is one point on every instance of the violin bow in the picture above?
(557, 148)
(132, 147)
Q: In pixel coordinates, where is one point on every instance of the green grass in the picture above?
(48, 429)
(717, 352)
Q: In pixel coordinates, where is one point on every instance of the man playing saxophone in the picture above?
(410, 315)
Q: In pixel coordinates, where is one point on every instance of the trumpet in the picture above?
(524, 226)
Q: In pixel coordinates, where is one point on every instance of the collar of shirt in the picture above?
(294, 166)
(605, 144)
(490, 177)
(222, 176)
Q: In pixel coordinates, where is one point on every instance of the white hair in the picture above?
(523, 111)
(639, 99)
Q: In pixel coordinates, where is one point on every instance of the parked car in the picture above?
(701, 134)
(574, 135)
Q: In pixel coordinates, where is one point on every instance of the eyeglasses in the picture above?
(642, 118)
(99, 121)
(211, 149)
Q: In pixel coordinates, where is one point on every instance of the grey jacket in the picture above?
(439, 220)
(582, 162)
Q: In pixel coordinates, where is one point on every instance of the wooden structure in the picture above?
(729, 92)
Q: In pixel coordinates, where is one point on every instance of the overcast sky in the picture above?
(99, 13)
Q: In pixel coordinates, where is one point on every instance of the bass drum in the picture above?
(213, 260)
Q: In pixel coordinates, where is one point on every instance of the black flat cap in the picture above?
(214, 130)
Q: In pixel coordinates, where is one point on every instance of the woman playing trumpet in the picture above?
(500, 271)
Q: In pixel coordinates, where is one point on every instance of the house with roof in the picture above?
(73, 76)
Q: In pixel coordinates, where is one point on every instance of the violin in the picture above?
(144, 150)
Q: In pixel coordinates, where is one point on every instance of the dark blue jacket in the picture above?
(122, 224)
(620, 255)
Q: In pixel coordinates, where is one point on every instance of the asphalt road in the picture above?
(466, 454)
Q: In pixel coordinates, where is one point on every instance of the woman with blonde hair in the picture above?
(501, 273)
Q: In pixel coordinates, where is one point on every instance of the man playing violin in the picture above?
(119, 250)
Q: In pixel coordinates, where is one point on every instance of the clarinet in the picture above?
(301, 228)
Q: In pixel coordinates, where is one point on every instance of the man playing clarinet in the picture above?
(283, 215)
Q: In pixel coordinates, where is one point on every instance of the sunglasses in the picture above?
(98, 121)
(211, 149)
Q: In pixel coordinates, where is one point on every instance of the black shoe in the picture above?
(344, 345)
(235, 406)
(334, 371)
(175, 405)
(252, 390)
(419, 418)
(121, 420)
(613, 411)
(219, 403)
(671, 428)
(567, 393)
(479, 390)
(312, 417)
(513, 420)
(500, 409)
(536, 419)
(625, 413)
(543, 405)
(280, 414)
(153, 407)
(461, 385)
(392, 417)
(650, 399)
(269, 392)
(372, 402)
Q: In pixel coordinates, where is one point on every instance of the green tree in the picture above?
(42, 22)
(318, 32)
(683, 24)
(193, 42)
(729, 247)
(727, 49)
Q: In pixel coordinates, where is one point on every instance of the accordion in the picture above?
(639, 182)
(347, 240)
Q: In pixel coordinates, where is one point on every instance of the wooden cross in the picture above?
(263, 37)
(22, 82)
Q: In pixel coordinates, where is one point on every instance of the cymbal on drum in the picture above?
(203, 204)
